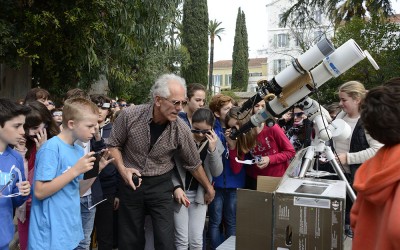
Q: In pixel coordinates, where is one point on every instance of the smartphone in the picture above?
(135, 180)
(94, 172)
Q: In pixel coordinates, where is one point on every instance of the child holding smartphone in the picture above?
(190, 218)
(39, 126)
(55, 214)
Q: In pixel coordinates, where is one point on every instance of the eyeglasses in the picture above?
(203, 131)
(104, 105)
(176, 103)
(298, 114)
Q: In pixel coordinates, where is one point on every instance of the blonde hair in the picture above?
(77, 108)
(355, 90)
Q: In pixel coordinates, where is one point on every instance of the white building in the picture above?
(286, 43)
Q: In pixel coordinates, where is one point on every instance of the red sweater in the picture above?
(271, 142)
(375, 216)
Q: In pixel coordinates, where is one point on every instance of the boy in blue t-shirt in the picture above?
(55, 214)
(12, 193)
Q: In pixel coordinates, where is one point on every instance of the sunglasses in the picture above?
(176, 103)
(198, 131)
(298, 114)
(104, 105)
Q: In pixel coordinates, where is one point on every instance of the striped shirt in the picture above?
(131, 134)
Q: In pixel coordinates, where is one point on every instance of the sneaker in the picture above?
(348, 232)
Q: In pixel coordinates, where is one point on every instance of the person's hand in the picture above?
(342, 158)
(231, 143)
(105, 159)
(97, 135)
(212, 140)
(41, 138)
(209, 195)
(116, 203)
(127, 177)
(84, 164)
(181, 197)
(24, 188)
(21, 145)
(263, 163)
(287, 116)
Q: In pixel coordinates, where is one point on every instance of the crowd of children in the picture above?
(60, 172)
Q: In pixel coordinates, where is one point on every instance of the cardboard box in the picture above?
(309, 214)
(254, 215)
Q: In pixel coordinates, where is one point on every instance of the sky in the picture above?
(225, 11)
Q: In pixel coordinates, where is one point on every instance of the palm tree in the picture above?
(338, 10)
(213, 31)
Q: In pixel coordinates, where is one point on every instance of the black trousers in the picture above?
(153, 197)
(103, 222)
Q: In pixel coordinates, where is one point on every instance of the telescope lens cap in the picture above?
(371, 60)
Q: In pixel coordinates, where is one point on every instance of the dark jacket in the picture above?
(358, 143)
(108, 177)
(227, 179)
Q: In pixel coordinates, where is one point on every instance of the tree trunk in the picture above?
(210, 74)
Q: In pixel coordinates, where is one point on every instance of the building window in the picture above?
(281, 40)
(228, 80)
(217, 80)
(255, 74)
(279, 65)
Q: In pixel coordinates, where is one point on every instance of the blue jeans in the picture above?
(87, 221)
(223, 206)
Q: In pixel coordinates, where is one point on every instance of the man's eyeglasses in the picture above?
(198, 131)
(176, 103)
(298, 114)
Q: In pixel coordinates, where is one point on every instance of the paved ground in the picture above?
(229, 244)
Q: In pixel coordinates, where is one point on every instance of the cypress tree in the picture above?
(240, 55)
(195, 39)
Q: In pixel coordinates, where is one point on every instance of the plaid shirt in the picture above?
(131, 133)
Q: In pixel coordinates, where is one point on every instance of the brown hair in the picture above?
(193, 87)
(244, 142)
(218, 101)
(36, 94)
(99, 100)
(38, 114)
(75, 93)
(76, 109)
(380, 112)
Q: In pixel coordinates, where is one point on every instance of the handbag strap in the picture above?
(202, 146)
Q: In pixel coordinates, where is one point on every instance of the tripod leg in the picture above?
(339, 172)
(308, 159)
